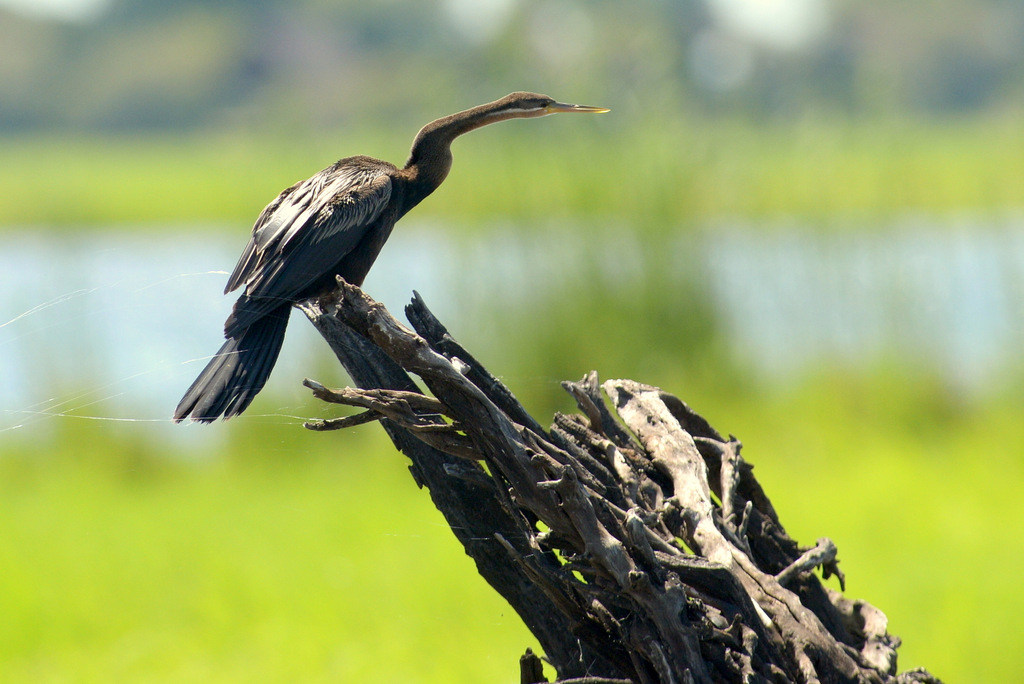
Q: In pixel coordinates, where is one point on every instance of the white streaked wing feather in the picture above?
(305, 207)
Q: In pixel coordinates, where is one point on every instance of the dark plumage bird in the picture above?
(334, 223)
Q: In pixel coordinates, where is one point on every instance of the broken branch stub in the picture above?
(632, 538)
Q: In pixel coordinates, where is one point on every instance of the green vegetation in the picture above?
(662, 174)
(284, 559)
(898, 474)
(289, 556)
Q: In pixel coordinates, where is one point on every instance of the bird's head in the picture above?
(525, 105)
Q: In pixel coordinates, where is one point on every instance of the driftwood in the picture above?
(632, 538)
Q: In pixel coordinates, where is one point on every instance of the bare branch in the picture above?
(604, 532)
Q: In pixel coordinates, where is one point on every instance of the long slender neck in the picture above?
(431, 157)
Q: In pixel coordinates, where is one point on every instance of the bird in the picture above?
(331, 224)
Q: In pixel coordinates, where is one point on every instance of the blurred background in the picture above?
(803, 217)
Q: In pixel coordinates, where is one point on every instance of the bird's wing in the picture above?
(249, 260)
(309, 227)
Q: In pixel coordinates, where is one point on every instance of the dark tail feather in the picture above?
(236, 374)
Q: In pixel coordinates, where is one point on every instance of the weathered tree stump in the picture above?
(632, 538)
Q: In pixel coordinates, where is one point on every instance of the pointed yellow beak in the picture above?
(556, 107)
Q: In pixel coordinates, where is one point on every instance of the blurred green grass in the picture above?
(661, 174)
(287, 556)
(912, 484)
(279, 559)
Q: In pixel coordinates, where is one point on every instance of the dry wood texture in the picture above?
(632, 538)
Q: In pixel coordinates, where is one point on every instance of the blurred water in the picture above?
(123, 322)
(947, 294)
